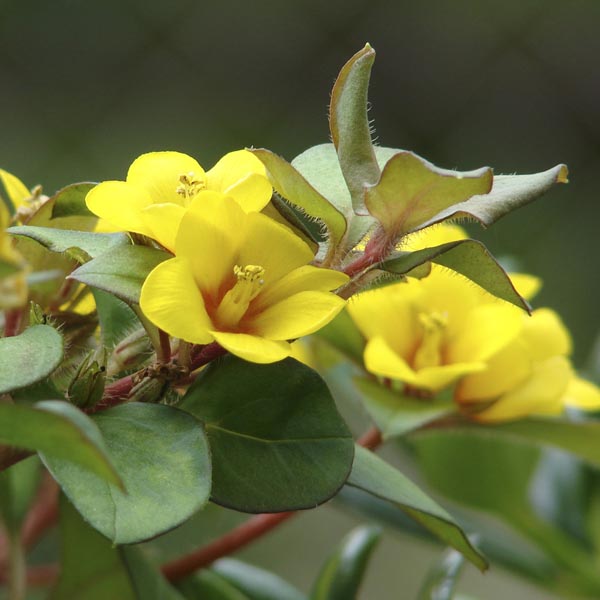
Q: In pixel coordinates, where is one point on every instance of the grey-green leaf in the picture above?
(277, 440)
(80, 245)
(467, 257)
(121, 271)
(256, 583)
(292, 186)
(162, 456)
(508, 193)
(29, 357)
(373, 475)
(70, 201)
(350, 128)
(441, 579)
(60, 430)
(342, 574)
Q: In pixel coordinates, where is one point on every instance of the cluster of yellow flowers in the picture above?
(445, 332)
(238, 277)
(244, 280)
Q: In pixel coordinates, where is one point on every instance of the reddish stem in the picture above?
(12, 322)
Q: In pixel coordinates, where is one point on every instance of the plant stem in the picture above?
(12, 322)
(244, 534)
(17, 584)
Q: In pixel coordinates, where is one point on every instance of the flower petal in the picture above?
(232, 169)
(172, 301)
(582, 394)
(120, 203)
(272, 246)
(163, 220)
(295, 316)
(253, 348)
(542, 393)
(159, 172)
(488, 328)
(382, 360)
(299, 280)
(546, 335)
(505, 371)
(16, 190)
(388, 312)
(209, 235)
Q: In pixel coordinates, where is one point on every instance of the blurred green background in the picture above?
(88, 86)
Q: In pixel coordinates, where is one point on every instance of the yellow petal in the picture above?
(438, 378)
(488, 328)
(382, 360)
(252, 193)
(546, 335)
(527, 285)
(301, 279)
(582, 394)
(388, 312)
(504, 371)
(541, 393)
(209, 235)
(253, 348)
(295, 316)
(232, 169)
(163, 221)
(272, 246)
(120, 203)
(172, 301)
(16, 190)
(158, 173)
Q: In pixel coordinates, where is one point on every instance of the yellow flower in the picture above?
(160, 186)
(240, 279)
(429, 333)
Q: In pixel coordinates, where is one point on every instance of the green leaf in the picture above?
(342, 574)
(579, 438)
(467, 257)
(396, 414)
(70, 201)
(255, 583)
(411, 191)
(292, 186)
(29, 357)
(349, 125)
(375, 476)
(508, 193)
(58, 430)
(208, 585)
(162, 456)
(121, 271)
(79, 245)
(91, 567)
(441, 580)
(276, 438)
(146, 580)
(116, 318)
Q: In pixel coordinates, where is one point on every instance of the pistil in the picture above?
(234, 305)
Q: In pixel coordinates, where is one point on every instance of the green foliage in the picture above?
(342, 574)
(276, 439)
(121, 271)
(61, 432)
(162, 457)
(39, 347)
(375, 476)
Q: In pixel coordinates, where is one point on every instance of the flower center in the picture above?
(234, 305)
(189, 186)
(429, 353)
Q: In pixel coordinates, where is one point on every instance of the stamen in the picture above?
(189, 186)
(234, 305)
(429, 353)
